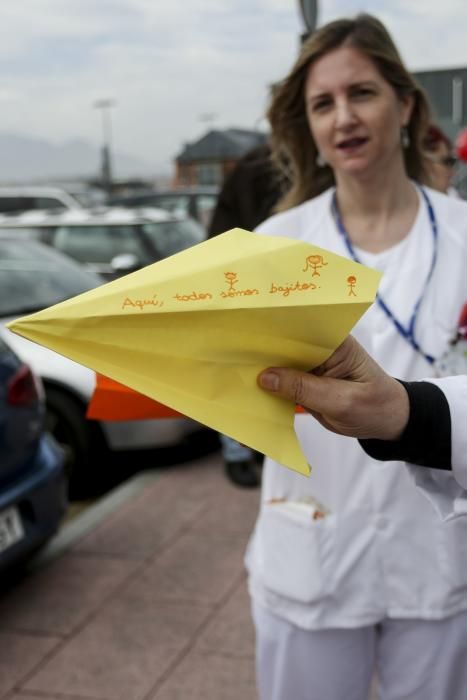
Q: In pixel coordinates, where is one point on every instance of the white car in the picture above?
(109, 240)
(33, 277)
(14, 200)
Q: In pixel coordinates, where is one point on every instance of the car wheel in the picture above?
(79, 438)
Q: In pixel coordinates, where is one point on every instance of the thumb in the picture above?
(307, 390)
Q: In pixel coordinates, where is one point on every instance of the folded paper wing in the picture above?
(194, 330)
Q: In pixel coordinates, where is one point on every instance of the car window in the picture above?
(206, 204)
(98, 244)
(171, 237)
(89, 197)
(33, 276)
(174, 203)
(15, 204)
(29, 232)
(48, 203)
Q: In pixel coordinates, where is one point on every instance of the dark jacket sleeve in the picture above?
(426, 440)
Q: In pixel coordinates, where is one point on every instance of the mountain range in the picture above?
(24, 159)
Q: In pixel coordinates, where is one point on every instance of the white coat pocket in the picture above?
(295, 551)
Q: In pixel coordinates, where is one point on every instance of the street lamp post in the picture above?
(105, 106)
(309, 12)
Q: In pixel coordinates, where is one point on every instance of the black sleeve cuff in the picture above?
(426, 440)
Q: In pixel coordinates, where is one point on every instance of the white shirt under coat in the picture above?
(382, 550)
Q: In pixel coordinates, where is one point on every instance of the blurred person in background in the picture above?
(247, 198)
(441, 160)
(351, 571)
(249, 193)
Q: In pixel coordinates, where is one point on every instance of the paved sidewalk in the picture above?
(142, 597)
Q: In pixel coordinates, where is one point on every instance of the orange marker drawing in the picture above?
(351, 281)
(314, 262)
(231, 278)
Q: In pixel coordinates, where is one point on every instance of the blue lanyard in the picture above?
(409, 332)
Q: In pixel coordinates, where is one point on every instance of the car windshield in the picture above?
(33, 277)
(170, 237)
(89, 197)
(179, 203)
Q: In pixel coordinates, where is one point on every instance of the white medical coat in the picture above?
(382, 550)
(449, 496)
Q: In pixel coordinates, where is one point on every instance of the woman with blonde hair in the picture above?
(351, 571)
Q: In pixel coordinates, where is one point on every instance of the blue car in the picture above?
(33, 485)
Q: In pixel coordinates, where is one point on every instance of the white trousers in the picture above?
(413, 660)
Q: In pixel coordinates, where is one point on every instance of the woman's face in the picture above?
(441, 167)
(354, 115)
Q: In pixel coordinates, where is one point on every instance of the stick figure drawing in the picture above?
(314, 262)
(352, 281)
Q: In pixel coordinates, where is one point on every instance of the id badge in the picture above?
(454, 360)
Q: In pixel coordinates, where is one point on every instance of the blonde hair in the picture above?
(293, 148)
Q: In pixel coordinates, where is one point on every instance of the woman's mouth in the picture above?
(352, 143)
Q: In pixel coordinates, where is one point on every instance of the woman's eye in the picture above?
(362, 92)
(320, 105)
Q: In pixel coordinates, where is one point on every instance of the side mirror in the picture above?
(126, 262)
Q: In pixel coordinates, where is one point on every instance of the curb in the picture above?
(90, 518)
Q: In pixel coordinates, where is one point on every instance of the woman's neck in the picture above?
(377, 213)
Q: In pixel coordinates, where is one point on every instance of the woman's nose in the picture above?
(345, 115)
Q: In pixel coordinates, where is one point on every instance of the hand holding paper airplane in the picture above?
(193, 331)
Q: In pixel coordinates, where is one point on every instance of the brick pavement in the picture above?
(150, 604)
(143, 597)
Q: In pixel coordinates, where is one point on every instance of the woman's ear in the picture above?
(407, 105)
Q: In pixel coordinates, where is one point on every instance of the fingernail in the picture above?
(269, 381)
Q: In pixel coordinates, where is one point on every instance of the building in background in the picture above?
(208, 160)
(447, 90)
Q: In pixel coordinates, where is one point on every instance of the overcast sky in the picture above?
(169, 63)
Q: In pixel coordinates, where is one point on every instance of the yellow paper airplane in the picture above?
(194, 330)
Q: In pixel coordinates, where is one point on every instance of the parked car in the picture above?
(32, 476)
(14, 200)
(32, 277)
(198, 202)
(111, 241)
